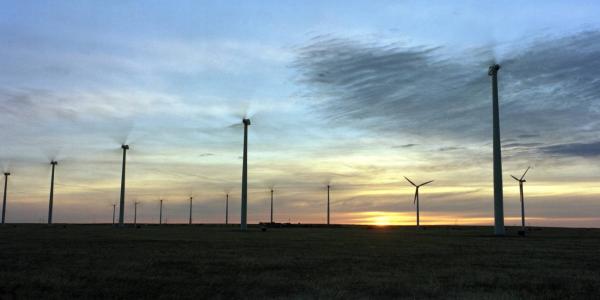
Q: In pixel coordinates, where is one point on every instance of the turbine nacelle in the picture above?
(6, 173)
(517, 179)
(246, 121)
(125, 147)
(493, 70)
(54, 163)
(523, 176)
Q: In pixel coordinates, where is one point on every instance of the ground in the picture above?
(344, 262)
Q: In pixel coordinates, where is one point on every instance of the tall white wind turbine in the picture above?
(498, 194)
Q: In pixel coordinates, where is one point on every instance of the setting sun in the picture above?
(382, 221)
(382, 218)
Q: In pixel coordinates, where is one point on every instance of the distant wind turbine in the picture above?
(51, 201)
(416, 199)
(328, 198)
(6, 174)
(122, 200)
(135, 204)
(226, 208)
(271, 205)
(114, 211)
(521, 181)
(190, 222)
(160, 214)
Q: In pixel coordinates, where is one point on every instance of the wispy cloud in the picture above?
(574, 149)
(421, 90)
(404, 146)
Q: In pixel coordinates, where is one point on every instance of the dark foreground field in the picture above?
(176, 261)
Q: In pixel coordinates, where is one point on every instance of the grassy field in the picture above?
(179, 261)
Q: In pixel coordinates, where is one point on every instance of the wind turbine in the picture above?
(498, 197)
(416, 199)
(271, 205)
(521, 181)
(114, 210)
(243, 223)
(160, 214)
(226, 208)
(122, 201)
(244, 195)
(51, 201)
(135, 204)
(6, 174)
(190, 210)
(328, 191)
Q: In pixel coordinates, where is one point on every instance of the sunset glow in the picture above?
(335, 96)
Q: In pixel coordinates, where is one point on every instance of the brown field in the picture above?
(343, 262)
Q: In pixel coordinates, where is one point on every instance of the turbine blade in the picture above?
(253, 115)
(525, 172)
(236, 125)
(410, 181)
(515, 178)
(241, 112)
(415, 198)
(424, 183)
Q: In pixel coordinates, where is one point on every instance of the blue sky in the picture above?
(351, 92)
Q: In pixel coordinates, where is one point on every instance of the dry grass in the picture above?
(177, 261)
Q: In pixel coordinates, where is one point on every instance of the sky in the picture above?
(356, 94)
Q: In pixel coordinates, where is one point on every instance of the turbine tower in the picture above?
(114, 210)
(271, 205)
(191, 210)
(226, 208)
(328, 190)
(243, 223)
(521, 181)
(416, 199)
(135, 204)
(498, 201)
(51, 201)
(6, 174)
(160, 214)
(122, 201)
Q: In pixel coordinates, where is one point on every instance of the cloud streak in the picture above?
(575, 149)
(424, 91)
